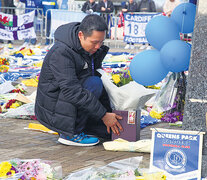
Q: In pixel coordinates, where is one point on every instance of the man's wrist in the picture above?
(104, 117)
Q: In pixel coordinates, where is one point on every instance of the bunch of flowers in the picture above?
(4, 61)
(13, 103)
(4, 68)
(121, 77)
(29, 170)
(33, 117)
(25, 51)
(35, 170)
(7, 170)
(153, 87)
(130, 175)
(19, 89)
(156, 115)
(175, 111)
(173, 117)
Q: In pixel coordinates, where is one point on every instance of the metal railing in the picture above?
(40, 23)
(75, 5)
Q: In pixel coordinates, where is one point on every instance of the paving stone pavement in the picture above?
(17, 142)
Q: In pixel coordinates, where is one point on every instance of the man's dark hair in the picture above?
(92, 22)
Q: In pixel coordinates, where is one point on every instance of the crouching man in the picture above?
(71, 99)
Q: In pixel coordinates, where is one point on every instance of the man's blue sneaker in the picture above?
(78, 140)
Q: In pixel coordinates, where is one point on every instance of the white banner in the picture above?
(135, 25)
(14, 27)
(60, 17)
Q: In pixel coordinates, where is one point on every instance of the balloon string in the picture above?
(184, 13)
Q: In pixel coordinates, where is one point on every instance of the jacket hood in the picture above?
(68, 34)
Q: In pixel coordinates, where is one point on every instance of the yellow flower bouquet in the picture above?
(8, 170)
(121, 78)
(4, 68)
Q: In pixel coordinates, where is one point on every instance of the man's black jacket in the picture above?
(87, 6)
(146, 6)
(131, 7)
(102, 4)
(60, 93)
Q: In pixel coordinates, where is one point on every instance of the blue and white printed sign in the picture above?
(134, 25)
(14, 27)
(177, 153)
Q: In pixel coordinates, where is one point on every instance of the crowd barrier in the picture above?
(119, 30)
(37, 22)
(75, 5)
(109, 21)
(57, 17)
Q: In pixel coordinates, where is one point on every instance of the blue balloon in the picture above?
(175, 55)
(184, 16)
(161, 29)
(146, 68)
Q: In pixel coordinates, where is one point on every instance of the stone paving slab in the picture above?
(17, 142)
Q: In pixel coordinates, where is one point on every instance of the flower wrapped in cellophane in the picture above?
(169, 102)
(33, 169)
(124, 93)
(125, 169)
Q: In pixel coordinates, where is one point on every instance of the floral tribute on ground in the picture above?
(125, 169)
(35, 169)
(170, 103)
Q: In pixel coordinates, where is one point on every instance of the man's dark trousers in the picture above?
(87, 124)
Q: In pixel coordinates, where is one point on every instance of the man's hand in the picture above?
(168, 14)
(103, 9)
(111, 121)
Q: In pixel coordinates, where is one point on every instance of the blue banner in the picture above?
(178, 154)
